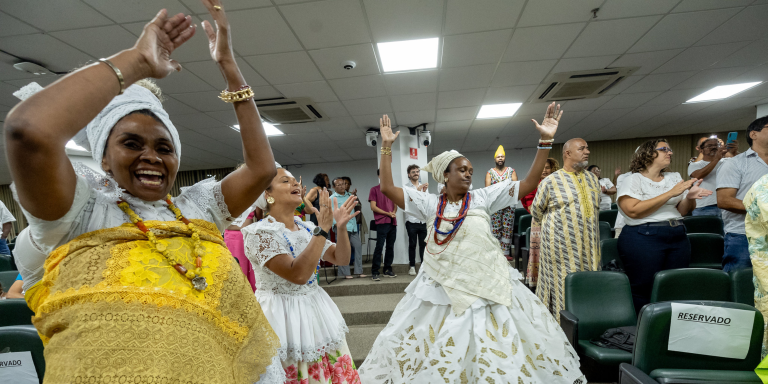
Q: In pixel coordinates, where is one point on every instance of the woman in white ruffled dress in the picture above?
(285, 253)
(467, 318)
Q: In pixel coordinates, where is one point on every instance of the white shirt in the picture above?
(408, 217)
(605, 200)
(620, 218)
(709, 183)
(5, 214)
(740, 172)
(642, 188)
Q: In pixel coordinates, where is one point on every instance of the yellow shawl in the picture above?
(110, 307)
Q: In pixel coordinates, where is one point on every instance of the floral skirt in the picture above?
(335, 367)
(502, 223)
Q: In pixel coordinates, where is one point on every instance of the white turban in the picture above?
(261, 202)
(439, 164)
(135, 98)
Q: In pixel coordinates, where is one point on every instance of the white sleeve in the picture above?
(631, 187)
(420, 205)
(695, 166)
(207, 196)
(499, 196)
(608, 183)
(262, 244)
(5, 214)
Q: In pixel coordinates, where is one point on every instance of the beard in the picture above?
(581, 165)
(500, 163)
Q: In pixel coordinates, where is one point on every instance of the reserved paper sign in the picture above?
(711, 331)
(17, 368)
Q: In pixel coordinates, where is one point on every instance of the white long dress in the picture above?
(459, 331)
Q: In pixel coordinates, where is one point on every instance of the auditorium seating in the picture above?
(6, 263)
(703, 224)
(519, 212)
(614, 206)
(609, 217)
(706, 250)
(609, 250)
(518, 239)
(22, 338)
(595, 302)
(606, 231)
(15, 312)
(526, 252)
(652, 362)
(742, 287)
(691, 284)
(7, 278)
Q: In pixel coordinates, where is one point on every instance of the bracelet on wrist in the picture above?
(241, 94)
(119, 74)
(550, 141)
(386, 151)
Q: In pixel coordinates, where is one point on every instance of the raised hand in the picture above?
(325, 214)
(617, 172)
(697, 192)
(158, 41)
(219, 40)
(344, 213)
(548, 126)
(385, 129)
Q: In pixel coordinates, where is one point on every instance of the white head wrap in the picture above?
(439, 163)
(135, 98)
(261, 202)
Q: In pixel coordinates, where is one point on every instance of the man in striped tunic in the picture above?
(567, 205)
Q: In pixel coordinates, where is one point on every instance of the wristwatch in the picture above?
(319, 232)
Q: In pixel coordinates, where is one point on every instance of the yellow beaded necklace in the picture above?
(198, 282)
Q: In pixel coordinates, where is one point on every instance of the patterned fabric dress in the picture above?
(503, 221)
(756, 225)
(567, 206)
(532, 272)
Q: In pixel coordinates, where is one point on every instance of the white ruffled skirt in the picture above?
(425, 342)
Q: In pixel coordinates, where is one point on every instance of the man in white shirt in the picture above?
(417, 229)
(713, 157)
(7, 219)
(606, 188)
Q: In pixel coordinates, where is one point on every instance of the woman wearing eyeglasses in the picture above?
(652, 201)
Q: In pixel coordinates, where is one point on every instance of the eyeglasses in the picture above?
(664, 149)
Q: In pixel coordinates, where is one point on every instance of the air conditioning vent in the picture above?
(287, 111)
(580, 84)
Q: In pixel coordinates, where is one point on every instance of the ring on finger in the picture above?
(217, 7)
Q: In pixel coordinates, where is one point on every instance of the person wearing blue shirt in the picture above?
(341, 195)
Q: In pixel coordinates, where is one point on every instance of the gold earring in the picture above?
(270, 200)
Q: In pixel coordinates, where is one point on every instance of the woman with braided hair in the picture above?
(467, 317)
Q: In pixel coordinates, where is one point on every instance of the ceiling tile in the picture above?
(45, 50)
(453, 114)
(414, 102)
(699, 5)
(712, 78)
(454, 126)
(183, 82)
(474, 48)
(231, 5)
(338, 124)
(411, 82)
(681, 30)
(522, 73)
(541, 43)
(6, 95)
(175, 107)
(202, 101)
(614, 9)
(285, 68)
(261, 31)
(623, 85)
(677, 96)
(544, 12)
(43, 81)
(583, 64)
(8, 72)
(209, 72)
(610, 37)
(647, 61)
(372, 121)
(330, 60)
(481, 15)
(700, 57)
(10, 26)
(54, 15)
(97, 41)
(358, 87)
(660, 82)
(229, 118)
(501, 95)
(752, 54)
(465, 98)
(370, 106)
(453, 79)
(333, 109)
(397, 20)
(318, 91)
(329, 23)
(746, 25)
(633, 100)
(136, 10)
(198, 122)
(412, 118)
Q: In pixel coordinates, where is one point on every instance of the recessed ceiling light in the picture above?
(71, 145)
(494, 111)
(409, 55)
(269, 129)
(722, 92)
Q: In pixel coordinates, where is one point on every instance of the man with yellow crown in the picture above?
(503, 220)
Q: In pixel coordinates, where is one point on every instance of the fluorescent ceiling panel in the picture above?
(269, 129)
(409, 55)
(494, 111)
(722, 92)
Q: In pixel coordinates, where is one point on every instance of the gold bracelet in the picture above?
(118, 73)
(550, 141)
(244, 93)
(386, 151)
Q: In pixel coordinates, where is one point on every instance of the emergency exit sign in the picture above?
(414, 153)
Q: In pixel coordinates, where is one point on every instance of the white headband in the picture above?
(439, 164)
(261, 202)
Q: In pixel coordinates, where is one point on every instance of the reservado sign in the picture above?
(711, 331)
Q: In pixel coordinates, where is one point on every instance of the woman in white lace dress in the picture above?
(285, 253)
(138, 286)
(467, 318)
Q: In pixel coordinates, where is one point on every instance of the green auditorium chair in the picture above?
(6, 263)
(15, 312)
(609, 251)
(609, 217)
(615, 206)
(703, 224)
(653, 363)
(742, 287)
(7, 278)
(23, 338)
(706, 250)
(594, 303)
(606, 231)
(526, 252)
(691, 284)
(519, 212)
(518, 240)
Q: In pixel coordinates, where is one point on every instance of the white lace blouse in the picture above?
(642, 188)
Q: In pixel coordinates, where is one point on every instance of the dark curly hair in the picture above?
(645, 155)
(553, 164)
(319, 180)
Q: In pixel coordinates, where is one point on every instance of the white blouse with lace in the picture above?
(307, 321)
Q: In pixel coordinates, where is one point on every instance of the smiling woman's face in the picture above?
(284, 189)
(141, 157)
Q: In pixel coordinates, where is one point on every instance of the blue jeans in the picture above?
(709, 210)
(736, 252)
(4, 250)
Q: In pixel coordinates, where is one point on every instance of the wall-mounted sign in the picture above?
(414, 153)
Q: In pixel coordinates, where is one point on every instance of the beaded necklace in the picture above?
(290, 246)
(456, 221)
(198, 282)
